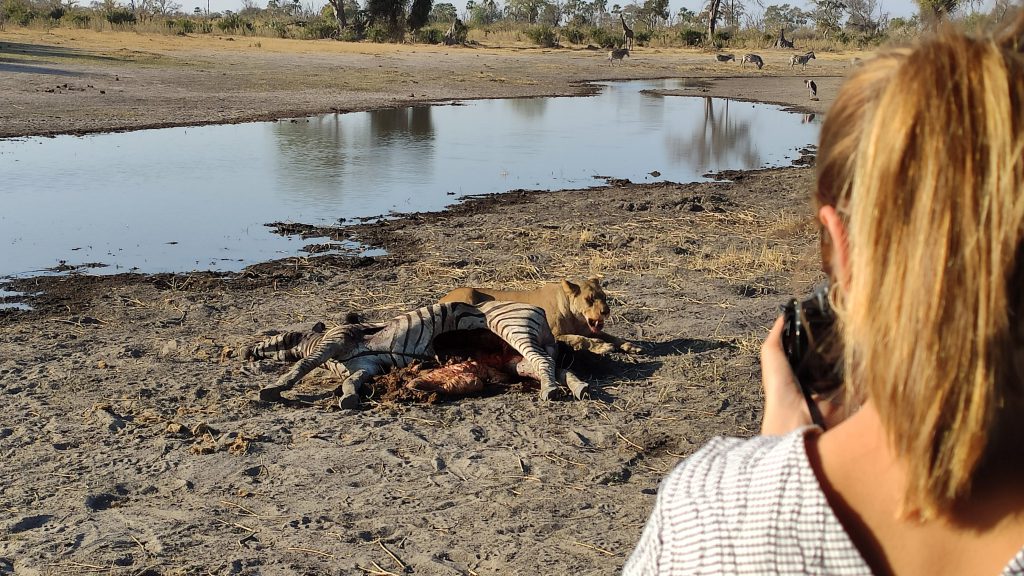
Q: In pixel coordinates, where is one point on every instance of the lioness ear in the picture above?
(596, 281)
(570, 288)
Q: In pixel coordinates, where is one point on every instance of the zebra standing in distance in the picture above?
(753, 59)
(617, 54)
(801, 59)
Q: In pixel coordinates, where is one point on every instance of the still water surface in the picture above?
(197, 198)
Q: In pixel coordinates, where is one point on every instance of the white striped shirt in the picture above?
(749, 507)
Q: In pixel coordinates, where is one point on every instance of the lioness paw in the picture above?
(598, 347)
(631, 348)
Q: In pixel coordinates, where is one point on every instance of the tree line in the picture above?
(718, 23)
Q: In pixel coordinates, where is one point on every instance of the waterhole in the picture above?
(198, 198)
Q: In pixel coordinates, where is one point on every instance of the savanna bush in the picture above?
(691, 37)
(378, 34)
(277, 28)
(428, 35)
(574, 34)
(181, 26)
(234, 23)
(542, 35)
(605, 38)
(18, 12)
(78, 19)
(120, 16)
(321, 28)
(351, 35)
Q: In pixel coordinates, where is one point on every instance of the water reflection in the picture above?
(197, 198)
(319, 155)
(401, 123)
(312, 157)
(532, 108)
(721, 137)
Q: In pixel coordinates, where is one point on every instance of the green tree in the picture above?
(784, 16)
(731, 12)
(523, 10)
(549, 14)
(653, 12)
(484, 13)
(443, 12)
(157, 7)
(934, 11)
(686, 17)
(419, 14)
(388, 14)
(827, 16)
(862, 16)
(599, 8)
(712, 15)
(578, 12)
(339, 13)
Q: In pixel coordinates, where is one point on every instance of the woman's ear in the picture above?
(837, 260)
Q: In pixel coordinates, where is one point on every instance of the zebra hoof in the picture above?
(550, 393)
(271, 395)
(349, 402)
(582, 393)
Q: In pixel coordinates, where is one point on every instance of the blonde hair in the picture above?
(923, 156)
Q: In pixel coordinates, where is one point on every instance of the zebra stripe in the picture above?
(287, 346)
(525, 328)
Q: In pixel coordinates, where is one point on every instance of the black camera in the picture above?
(811, 344)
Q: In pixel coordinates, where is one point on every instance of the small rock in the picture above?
(98, 502)
(113, 422)
(169, 347)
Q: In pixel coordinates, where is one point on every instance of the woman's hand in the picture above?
(785, 408)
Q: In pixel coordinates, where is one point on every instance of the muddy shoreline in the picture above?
(134, 440)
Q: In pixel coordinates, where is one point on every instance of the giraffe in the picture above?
(627, 34)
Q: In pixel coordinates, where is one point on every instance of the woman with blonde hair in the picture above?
(920, 194)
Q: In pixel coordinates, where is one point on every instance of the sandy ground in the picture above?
(77, 81)
(130, 433)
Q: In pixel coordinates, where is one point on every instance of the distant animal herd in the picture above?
(756, 60)
(801, 59)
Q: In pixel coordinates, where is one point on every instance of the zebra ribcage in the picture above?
(410, 337)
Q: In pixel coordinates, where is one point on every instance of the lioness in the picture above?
(575, 312)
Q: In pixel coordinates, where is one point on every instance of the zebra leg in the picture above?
(580, 389)
(350, 389)
(542, 369)
(300, 369)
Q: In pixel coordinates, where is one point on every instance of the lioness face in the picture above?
(589, 303)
